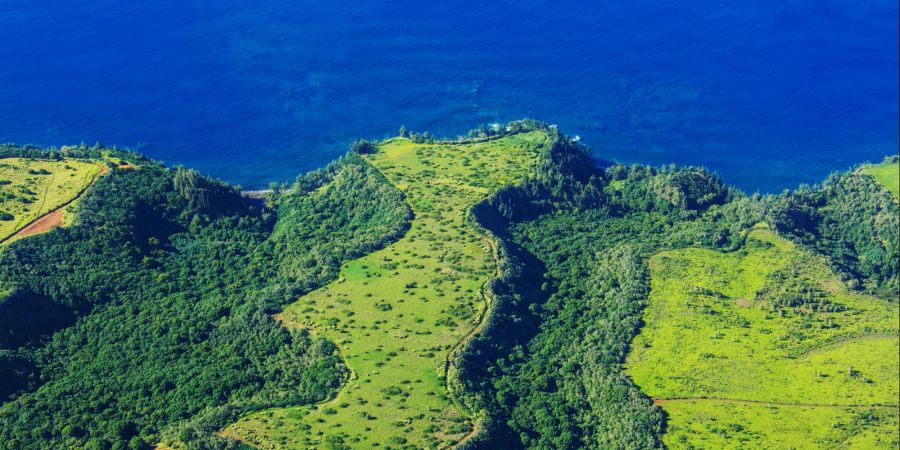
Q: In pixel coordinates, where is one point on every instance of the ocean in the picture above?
(770, 94)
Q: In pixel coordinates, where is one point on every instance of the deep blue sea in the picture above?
(770, 94)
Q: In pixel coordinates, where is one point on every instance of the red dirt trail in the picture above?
(43, 224)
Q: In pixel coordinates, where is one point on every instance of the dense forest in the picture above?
(150, 319)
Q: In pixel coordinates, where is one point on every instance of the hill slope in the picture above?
(149, 319)
(480, 293)
(551, 372)
(397, 313)
(735, 342)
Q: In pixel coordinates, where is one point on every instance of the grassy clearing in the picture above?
(30, 188)
(767, 323)
(888, 174)
(395, 313)
(719, 425)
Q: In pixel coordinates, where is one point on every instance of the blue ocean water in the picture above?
(768, 93)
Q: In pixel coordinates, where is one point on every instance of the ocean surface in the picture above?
(770, 94)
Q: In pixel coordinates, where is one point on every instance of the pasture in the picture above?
(721, 425)
(887, 174)
(764, 347)
(30, 188)
(397, 312)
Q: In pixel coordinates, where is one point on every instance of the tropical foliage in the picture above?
(522, 268)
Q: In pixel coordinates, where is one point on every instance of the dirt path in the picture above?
(53, 218)
(663, 401)
(42, 224)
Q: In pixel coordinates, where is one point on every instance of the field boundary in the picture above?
(662, 401)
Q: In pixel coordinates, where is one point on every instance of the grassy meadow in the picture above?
(30, 188)
(719, 425)
(396, 313)
(888, 174)
(764, 347)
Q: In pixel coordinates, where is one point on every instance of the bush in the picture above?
(362, 146)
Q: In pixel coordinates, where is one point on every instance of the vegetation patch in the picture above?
(887, 174)
(397, 312)
(851, 219)
(762, 335)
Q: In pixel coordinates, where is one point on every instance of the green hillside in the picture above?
(397, 313)
(149, 319)
(499, 290)
(737, 342)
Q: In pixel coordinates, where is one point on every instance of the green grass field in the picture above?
(396, 313)
(888, 174)
(769, 324)
(30, 188)
(719, 425)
